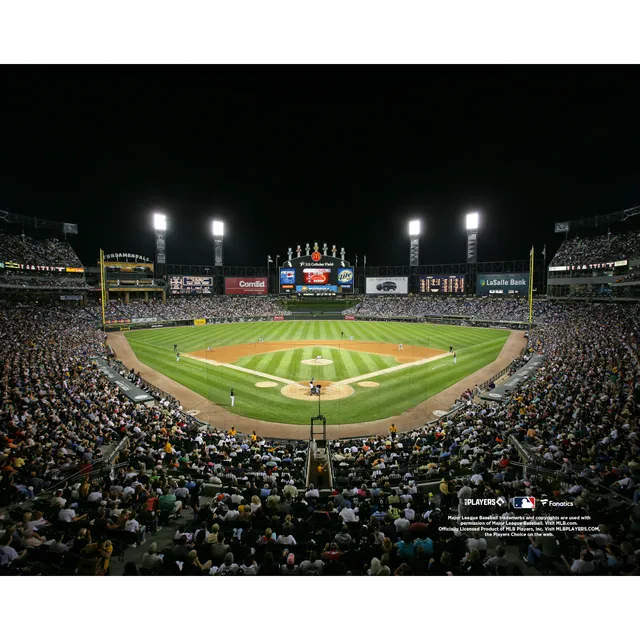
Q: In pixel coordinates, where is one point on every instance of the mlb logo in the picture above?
(524, 503)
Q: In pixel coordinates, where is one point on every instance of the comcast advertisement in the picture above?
(503, 284)
(388, 285)
(245, 286)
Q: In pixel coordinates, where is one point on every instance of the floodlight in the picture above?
(159, 222)
(414, 228)
(218, 228)
(472, 221)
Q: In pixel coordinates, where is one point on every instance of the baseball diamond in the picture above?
(365, 380)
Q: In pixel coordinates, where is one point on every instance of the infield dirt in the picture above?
(233, 352)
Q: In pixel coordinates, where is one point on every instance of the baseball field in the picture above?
(363, 372)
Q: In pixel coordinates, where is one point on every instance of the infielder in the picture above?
(318, 358)
(400, 347)
(261, 340)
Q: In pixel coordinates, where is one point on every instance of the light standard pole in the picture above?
(414, 253)
(217, 229)
(472, 223)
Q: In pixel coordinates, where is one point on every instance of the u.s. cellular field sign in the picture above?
(503, 284)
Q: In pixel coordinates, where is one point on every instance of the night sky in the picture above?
(343, 155)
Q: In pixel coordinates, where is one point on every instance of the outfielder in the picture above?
(455, 358)
(177, 357)
(232, 395)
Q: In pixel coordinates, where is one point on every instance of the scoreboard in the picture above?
(191, 284)
(445, 284)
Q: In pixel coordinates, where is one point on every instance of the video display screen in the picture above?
(449, 284)
(316, 280)
(191, 284)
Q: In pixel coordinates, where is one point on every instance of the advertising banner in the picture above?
(246, 286)
(143, 320)
(278, 318)
(317, 288)
(198, 322)
(75, 269)
(345, 276)
(349, 317)
(396, 285)
(74, 297)
(503, 284)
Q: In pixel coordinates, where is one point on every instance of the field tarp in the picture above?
(135, 394)
(504, 391)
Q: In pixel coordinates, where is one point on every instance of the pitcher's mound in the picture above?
(330, 391)
(368, 383)
(266, 384)
(317, 361)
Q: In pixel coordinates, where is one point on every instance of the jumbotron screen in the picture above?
(446, 284)
(191, 284)
(310, 281)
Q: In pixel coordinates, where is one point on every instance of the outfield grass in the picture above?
(398, 391)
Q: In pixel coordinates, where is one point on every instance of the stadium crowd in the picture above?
(42, 281)
(237, 504)
(603, 248)
(188, 308)
(512, 309)
(51, 252)
(59, 417)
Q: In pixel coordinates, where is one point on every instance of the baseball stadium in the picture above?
(319, 416)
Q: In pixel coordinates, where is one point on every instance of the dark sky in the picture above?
(343, 155)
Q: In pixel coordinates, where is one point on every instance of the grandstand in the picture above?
(101, 478)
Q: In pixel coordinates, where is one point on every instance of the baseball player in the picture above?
(350, 337)
(450, 349)
(261, 340)
(318, 358)
(455, 358)
(177, 357)
(209, 348)
(232, 395)
(175, 348)
(400, 347)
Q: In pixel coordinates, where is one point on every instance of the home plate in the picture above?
(368, 383)
(317, 361)
(266, 384)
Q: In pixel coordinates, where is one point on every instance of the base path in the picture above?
(219, 417)
(233, 352)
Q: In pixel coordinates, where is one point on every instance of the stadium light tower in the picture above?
(217, 229)
(160, 232)
(415, 228)
(472, 224)
(473, 220)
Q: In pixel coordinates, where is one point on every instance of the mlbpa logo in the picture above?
(524, 503)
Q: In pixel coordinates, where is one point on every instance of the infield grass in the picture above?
(398, 390)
